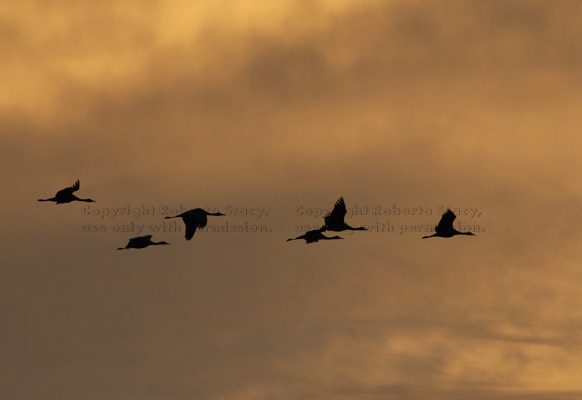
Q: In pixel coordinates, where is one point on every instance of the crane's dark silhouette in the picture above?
(314, 236)
(445, 227)
(196, 218)
(66, 195)
(141, 242)
(334, 220)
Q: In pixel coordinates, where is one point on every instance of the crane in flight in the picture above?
(194, 219)
(66, 195)
(445, 227)
(141, 242)
(314, 236)
(334, 220)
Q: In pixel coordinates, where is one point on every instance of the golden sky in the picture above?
(269, 112)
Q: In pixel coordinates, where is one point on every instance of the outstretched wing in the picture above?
(201, 219)
(193, 220)
(69, 190)
(336, 216)
(312, 236)
(139, 239)
(190, 231)
(446, 222)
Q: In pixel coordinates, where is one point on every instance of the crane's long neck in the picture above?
(456, 232)
(51, 199)
(75, 198)
(426, 237)
(331, 238)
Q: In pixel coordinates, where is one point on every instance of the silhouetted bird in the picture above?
(334, 220)
(314, 236)
(66, 195)
(193, 219)
(445, 227)
(141, 242)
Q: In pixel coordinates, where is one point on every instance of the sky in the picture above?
(269, 112)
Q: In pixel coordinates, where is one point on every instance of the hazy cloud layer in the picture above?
(283, 107)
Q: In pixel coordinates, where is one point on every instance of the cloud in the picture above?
(388, 104)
